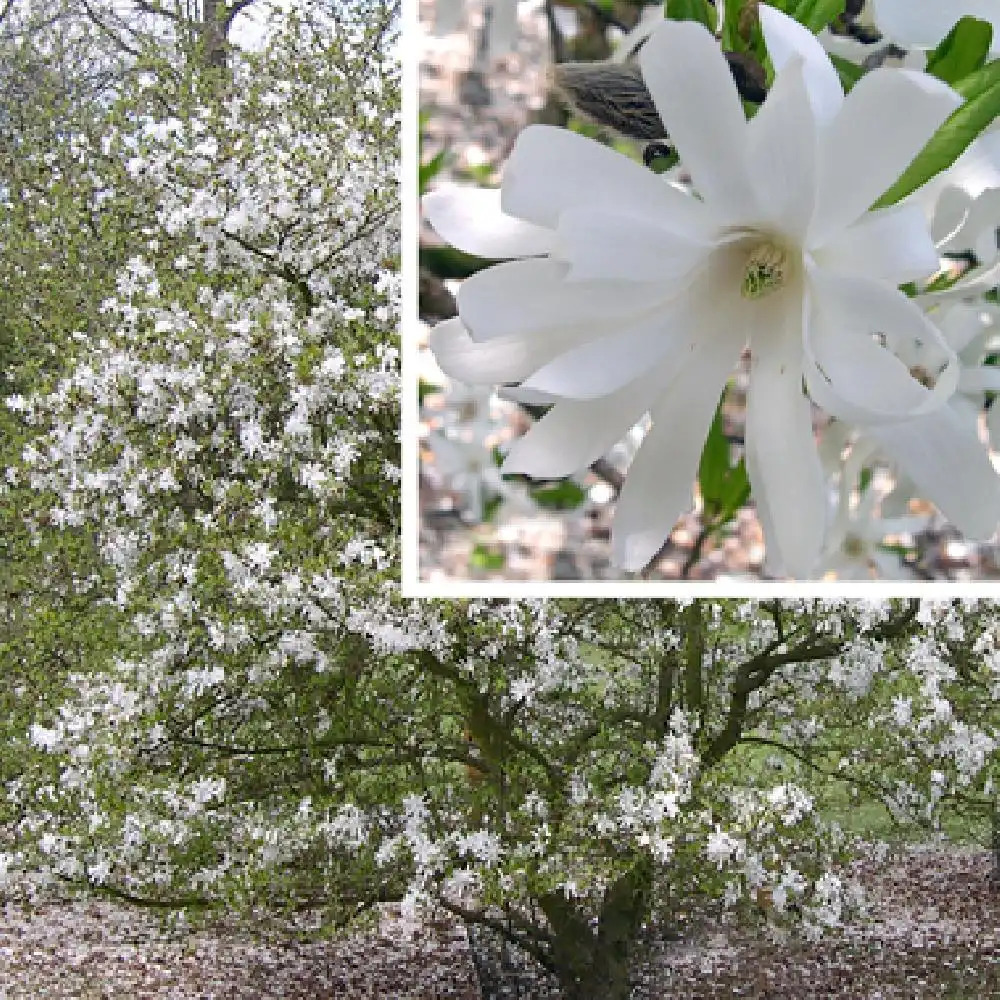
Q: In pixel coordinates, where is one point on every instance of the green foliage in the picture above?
(817, 14)
(848, 72)
(692, 10)
(565, 495)
(483, 557)
(724, 487)
(962, 51)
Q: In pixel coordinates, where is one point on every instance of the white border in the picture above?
(754, 589)
(413, 587)
(409, 281)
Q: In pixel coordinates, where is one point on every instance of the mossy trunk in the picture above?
(595, 964)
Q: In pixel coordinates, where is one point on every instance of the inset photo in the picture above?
(706, 293)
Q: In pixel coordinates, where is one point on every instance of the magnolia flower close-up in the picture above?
(631, 295)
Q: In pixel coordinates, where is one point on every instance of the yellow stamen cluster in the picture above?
(765, 271)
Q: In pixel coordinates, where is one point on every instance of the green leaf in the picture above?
(560, 496)
(430, 169)
(980, 81)
(736, 493)
(817, 14)
(491, 506)
(848, 72)
(714, 466)
(447, 262)
(731, 38)
(691, 10)
(947, 144)
(482, 557)
(962, 51)
(425, 388)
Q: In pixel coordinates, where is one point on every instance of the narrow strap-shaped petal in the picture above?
(471, 219)
(942, 454)
(787, 39)
(781, 152)
(660, 482)
(786, 476)
(500, 359)
(693, 89)
(530, 297)
(886, 120)
(598, 244)
(551, 169)
(852, 376)
(574, 434)
(892, 244)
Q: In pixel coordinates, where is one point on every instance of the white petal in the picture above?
(531, 297)
(781, 150)
(694, 92)
(598, 244)
(942, 454)
(664, 336)
(471, 219)
(983, 379)
(872, 141)
(892, 244)
(922, 24)
(949, 216)
(500, 359)
(782, 457)
(659, 484)
(786, 39)
(551, 169)
(574, 434)
(603, 365)
(853, 377)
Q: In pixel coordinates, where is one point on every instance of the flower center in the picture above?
(765, 270)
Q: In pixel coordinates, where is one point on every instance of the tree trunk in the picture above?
(595, 965)
(994, 875)
(213, 34)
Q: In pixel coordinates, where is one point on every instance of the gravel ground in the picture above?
(934, 932)
(104, 951)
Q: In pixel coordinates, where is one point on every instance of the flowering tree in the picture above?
(564, 773)
(626, 296)
(204, 359)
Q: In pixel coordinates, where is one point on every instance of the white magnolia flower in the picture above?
(921, 24)
(854, 544)
(636, 297)
(940, 456)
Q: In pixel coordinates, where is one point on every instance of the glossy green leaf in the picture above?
(691, 10)
(962, 51)
(566, 495)
(848, 72)
(817, 14)
(714, 466)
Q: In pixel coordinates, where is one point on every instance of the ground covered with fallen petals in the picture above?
(105, 951)
(934, 932)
